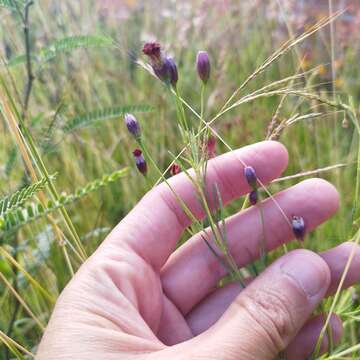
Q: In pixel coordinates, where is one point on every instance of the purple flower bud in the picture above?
(253, 197)
(132, 125)
(298, 226)
(203, 66)
(140, 161)
(173, 72)
(162, 71)
(166, 71)
(250, 176)
(164, 67)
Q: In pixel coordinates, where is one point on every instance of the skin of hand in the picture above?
(138, 297)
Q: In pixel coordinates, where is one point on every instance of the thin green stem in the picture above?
(43, 171)
(181, 202)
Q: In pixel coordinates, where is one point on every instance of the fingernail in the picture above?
(308, 272)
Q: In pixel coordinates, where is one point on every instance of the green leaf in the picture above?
(14, 201)
(72, 43)
(88, 119)
(64, 45)
(13, 219)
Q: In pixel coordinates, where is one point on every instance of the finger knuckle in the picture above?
(269, 311)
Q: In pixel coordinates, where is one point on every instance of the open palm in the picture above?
(137, 297)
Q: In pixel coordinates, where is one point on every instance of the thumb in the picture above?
(268, 314)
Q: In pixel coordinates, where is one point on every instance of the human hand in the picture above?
(138, 298)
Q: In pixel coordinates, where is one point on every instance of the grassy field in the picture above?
(83, 59)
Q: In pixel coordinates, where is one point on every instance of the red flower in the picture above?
(153, 50)
(175, 169)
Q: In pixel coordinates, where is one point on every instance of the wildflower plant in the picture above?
(198, 133)
(201, 138)
(39, 200)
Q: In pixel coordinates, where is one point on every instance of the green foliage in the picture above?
(14, 201)
(11, 160)
(12, 4)
(64, 45)
(16, 217)
(89, 119)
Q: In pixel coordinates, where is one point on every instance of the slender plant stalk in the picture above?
(6, 338)
(30, 74)
(21, 301)
(14, 262)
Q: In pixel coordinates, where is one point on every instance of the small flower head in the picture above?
(164, 67)
(175, 169)
(203, 66)
(133, 125)
(153, 51)
(166, 71)
(298, 227)
(250, 176)
(253, 197)
(140, 161)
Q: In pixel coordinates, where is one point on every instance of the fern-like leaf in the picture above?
(64, 45)
(89, 119)
(15, 219)
(16, 200)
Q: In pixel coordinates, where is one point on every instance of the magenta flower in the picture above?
(153, 51)
(203, 66)
(175, 169)
(140, 161)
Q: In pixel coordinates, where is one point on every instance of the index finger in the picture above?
(154, 226)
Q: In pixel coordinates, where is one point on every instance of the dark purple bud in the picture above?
(164, 67)
(298, 226)
(203, 66)
(132, 125)
(173, 72)
(162, 71)
(140, 161)
(250, 176)
(166, 71)
(253, 197)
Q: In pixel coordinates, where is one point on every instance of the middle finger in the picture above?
(192, 272)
